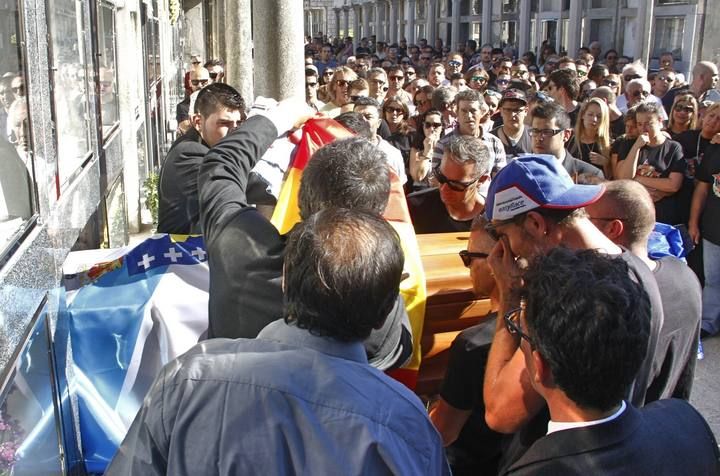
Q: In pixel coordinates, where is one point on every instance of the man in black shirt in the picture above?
(220, 110)
(656, 162)
(513, 133)
(464, 167)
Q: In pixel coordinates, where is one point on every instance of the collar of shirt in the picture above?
(554, 426)
(292, 335)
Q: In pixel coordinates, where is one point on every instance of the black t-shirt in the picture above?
(659, 162)
(693, 146)
(583, 152)
(429, 214)
(617, 127)
(514, 149)
(709, 172)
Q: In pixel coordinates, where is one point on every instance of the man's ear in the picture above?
(614, 230)
(536, 225)
(542, 374)
(197, 122)
(567, 133)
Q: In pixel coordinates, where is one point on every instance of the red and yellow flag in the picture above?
(315, 133)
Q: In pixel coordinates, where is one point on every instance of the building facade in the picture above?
(640, 29)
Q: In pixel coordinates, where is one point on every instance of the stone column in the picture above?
(380, 21)
(455, 34)
(431, 28)
(524, 41)
(346, 21)
(644, 31)
(410, 21)
(337, 22)
(238, 33)
(487, 35)
(574, 27)
(278, 49)
(393, 27)
(356, 26)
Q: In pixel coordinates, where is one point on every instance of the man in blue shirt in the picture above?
(301, 398)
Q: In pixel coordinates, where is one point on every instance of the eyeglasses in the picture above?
(502, 81)
(544, 133)
(688, 109)
(467, 257)
(610, 82)
(433, 125)
(397, 78)
(341, 82)
(491, 227)
(630, 77)
(454, 63)
(310, 85)
(640, 93)
(667, 79)
(479, 79)
(392, 110)
(196, 82)
(513, 328)
(513, 110)
(453, 184)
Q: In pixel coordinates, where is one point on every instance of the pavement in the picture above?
(705, 394)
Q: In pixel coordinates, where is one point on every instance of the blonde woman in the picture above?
(683, 115)
(591, 142)
(339, 90)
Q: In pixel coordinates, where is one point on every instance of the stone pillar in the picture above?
(410, 21)
(431, 28)
(487, 34)
(380, 21)
(574, 27)
(393, 27)
(278, 49)
(455, 34)
(337, 22)
(346, 21)
(356, 26)
(524, 40)
(239, 63)
(644, 31)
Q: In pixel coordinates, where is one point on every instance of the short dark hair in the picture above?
(367, 101)
(584, 309)
(552, 110)
(354, 122)
(214, 62)
(648, 108)
(468, 95)
(566, 79)
(348, 173)
(216, 96)
(342, 273)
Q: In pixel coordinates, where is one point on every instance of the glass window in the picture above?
(671, 2)
(421, 11)
(509, 6)
(508, 36)
(16, 172)
(71, 96)
(108, 70)
(28, 417)
(600, 29)
(669, 32)
(477, 7)
(476, 29)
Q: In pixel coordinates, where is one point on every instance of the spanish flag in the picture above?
(315, 133)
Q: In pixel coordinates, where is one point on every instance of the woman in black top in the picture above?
(396, 114)
(591, 143)
(683, 115)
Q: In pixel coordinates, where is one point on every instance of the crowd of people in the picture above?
(558, 170)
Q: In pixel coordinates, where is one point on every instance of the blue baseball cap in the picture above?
(536, 181)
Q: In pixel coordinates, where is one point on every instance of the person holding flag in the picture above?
(246, 251)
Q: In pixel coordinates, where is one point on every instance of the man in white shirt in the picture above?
(370, 110)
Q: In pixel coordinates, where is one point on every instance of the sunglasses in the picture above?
(195, 62)
(630, 77)
(196, 82)
(640, 93)
(667, 79)
(688, 109)
(214, 75)
(513, 327)
(433, 125)
(581, 73)
(453, 184)
(397, 78)
(328, 73)
(611, 83)
(341, 82)
(519, 72)
(454, 63)
(468, 256)
(479, 79)
(391, 110)
(502, 81)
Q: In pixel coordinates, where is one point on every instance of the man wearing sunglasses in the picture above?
(534, 207)
(452, 206)
(459, 413)
(199, 78)
(573, 302)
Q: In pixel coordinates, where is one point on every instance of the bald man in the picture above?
(703, 84)
(626, 215)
